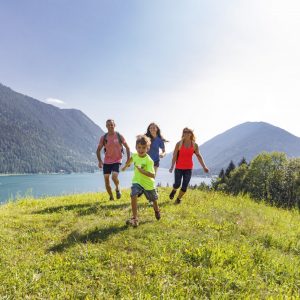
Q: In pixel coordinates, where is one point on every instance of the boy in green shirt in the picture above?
(143, 179)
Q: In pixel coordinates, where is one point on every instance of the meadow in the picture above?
(211, 246)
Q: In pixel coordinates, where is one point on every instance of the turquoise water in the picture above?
(39, 185)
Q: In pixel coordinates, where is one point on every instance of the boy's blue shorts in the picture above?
(138, 190)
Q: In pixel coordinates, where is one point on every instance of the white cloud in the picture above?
(55, 101)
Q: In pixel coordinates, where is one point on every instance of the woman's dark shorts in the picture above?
(156, 164)
(138, 190)
(184, 176)
(109, 168)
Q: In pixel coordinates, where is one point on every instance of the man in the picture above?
(112, 142)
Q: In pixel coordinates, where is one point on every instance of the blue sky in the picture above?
(209, 65)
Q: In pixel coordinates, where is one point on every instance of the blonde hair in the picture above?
(143, 140)
(193, 137)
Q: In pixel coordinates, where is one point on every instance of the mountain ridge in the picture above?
(244, 140)
(39, 137)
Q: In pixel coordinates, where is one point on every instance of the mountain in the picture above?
(39, 137)
(244, 140)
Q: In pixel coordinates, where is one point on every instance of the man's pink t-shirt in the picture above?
(113, 148)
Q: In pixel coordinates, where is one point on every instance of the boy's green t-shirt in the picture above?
(147, 164)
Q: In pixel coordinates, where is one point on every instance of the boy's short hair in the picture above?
(143, 140)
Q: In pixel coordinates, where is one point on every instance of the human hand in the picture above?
(124, 168)
(100, 164)
(171, 170)
(206, 170)
(140, 169)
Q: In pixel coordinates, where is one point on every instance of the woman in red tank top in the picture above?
(183, 157)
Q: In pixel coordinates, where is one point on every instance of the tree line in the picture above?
(271, 177)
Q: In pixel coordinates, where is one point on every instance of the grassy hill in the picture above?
(210, 246)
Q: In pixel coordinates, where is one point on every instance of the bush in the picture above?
(271, 177)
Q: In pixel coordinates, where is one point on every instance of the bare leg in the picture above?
(134, 206)
(156, 210)
(155, 206)
(180, 195)
(115, 179)
(107, 185)
(172, 194)
(155, 170)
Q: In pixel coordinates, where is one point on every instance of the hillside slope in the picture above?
(38, 137)
(211, 246)
(244, 140)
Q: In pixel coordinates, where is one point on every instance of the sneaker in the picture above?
(177, 201)
(172, 194)
(157, 214)
(118, 194)
(133, 222)
(111, 198)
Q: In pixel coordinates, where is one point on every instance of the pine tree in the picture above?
(230, 168)
(222, 176)
(243, 161)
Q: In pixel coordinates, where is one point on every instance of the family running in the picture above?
(146, 162)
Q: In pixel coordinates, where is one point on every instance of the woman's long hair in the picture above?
(158, 132)
(193, 137)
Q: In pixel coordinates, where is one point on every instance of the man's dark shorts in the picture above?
(156, 164)
(138, 190)
(109, 168)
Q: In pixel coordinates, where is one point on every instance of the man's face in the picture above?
(141, 149)
(110, 125)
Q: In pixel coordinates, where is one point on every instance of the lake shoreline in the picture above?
(32, 174)
(40, 185)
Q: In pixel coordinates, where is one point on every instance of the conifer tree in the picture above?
(230, 168)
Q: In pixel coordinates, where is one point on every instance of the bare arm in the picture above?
(127, 164)
(200, 159)
(163, 153)
(127, 151)
(163, 149)
(146, 173)
(98, 152)
(175, 153)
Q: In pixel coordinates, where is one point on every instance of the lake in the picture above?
(40, 185)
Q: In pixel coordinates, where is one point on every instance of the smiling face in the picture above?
(141, 149)
(153, 130)
(187, 134)
(110, 125)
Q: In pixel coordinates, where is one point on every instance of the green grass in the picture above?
(211, 246)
